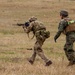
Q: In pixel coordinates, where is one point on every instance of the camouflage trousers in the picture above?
(38, 48)
(68, 48)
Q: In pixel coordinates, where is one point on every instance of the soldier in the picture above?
(39, 31)
(67, 26)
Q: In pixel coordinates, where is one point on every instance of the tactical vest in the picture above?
(70, 27)
(38, 26)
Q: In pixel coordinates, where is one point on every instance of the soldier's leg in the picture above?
(70, 52)
(39, 51)
(32, 58)
(38, 47)
(65, 49)
(70, 55)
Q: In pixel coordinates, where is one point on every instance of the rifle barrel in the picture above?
(20, 24)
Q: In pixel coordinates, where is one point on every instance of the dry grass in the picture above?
(13, 41)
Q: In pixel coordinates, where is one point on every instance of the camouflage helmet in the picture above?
(32, 19)
(63, 13)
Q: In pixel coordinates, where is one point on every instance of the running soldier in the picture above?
(39, 31)
(67, 26)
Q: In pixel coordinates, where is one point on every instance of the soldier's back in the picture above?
(37, 25)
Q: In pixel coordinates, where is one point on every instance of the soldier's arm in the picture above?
(29, 28)
(61, 28)
(57, 35)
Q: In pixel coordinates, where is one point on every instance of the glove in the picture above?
(26, 24)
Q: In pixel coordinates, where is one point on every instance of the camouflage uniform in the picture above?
(39, 31)
(70, 39)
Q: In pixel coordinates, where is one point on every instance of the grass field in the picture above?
(14, 42)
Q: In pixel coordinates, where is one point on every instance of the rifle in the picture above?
(24, 25)
(19, 24)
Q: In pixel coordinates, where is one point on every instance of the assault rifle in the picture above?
(26, 24)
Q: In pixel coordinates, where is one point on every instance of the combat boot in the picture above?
(48, 63)
(30, 61)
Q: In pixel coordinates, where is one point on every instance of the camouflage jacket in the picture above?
(35, 26)
(62, 25)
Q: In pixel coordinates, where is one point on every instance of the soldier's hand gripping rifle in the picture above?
(24, 25)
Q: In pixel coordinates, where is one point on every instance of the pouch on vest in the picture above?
(70, 27)
(45, 33)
